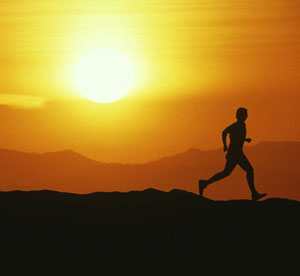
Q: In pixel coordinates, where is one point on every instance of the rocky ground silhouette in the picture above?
(143, 225)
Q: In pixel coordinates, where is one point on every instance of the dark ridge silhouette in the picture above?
(141, 225)
(276, 166)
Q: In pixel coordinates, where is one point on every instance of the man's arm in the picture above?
(224, 136)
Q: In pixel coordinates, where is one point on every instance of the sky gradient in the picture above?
(195, 63)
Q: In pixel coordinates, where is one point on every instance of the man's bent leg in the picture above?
(229, 167)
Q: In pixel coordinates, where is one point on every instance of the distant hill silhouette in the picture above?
(276, 172)
(142, 226)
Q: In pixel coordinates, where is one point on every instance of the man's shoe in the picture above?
(202, 185)
(258, 196)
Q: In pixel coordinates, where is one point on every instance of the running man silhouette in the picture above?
(235, 155)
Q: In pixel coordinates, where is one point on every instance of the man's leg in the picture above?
(229, 167)
(246, 166)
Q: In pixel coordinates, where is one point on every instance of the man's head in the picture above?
(241, 114)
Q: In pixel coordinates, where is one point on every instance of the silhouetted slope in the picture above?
(276, 167)
(29, 171)
(140, 224)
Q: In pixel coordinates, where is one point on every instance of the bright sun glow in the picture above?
(104, 75)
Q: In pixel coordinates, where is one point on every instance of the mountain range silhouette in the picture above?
(276, 172)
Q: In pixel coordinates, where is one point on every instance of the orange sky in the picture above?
(195, 63)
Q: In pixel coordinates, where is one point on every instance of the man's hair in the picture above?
(241, 111)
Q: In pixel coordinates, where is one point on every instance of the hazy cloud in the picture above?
(22, 101)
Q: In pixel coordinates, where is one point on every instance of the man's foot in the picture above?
(258, 196)
(202, 185)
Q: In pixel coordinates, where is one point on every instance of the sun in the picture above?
(104, 75)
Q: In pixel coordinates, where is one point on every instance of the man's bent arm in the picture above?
(224, 135)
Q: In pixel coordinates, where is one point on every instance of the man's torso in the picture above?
(237, 135)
